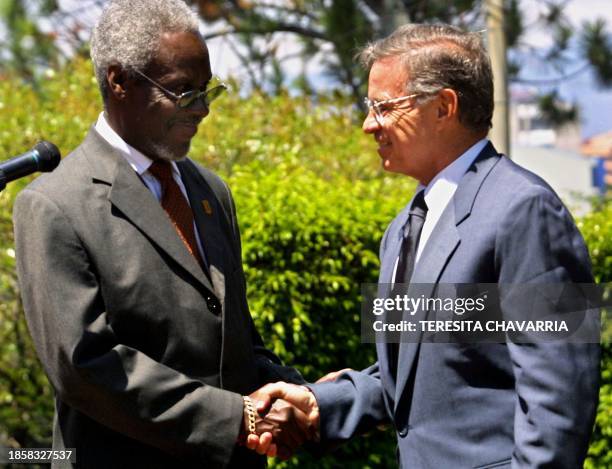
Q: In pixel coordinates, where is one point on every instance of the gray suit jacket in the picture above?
(483, 405)
(148, 355)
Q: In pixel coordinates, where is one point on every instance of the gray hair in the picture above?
(129, 31)
(441, 56)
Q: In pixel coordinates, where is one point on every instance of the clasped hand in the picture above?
(288, 417)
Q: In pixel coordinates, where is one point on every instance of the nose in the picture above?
(198, 109)
(370, 124)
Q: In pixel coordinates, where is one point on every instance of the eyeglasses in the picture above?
(380, 107)
(188, 98)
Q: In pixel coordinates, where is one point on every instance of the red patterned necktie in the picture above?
(176, 206)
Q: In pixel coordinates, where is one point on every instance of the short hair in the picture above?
(129, 31)
(441, 56)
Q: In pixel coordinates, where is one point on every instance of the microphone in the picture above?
(43, 157)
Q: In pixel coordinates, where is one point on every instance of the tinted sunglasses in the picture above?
(215, 88)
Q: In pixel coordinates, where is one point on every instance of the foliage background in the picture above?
(312, 204)
(326, 33)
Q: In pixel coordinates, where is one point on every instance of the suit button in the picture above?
(403, 432)
(213, 305)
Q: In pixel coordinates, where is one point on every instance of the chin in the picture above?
(164, 152)
(389, 166)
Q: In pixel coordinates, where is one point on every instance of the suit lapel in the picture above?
(442, 244)
(385, 278)
(440, 248)
(136, 202)
(394, 244)
(210, 218)
(472, 180)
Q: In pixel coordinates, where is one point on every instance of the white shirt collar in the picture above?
(442, 187)
(137, 160)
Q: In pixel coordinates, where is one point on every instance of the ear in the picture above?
(448, 104)
(117, 79)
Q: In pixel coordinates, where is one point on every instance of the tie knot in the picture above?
(419, 207)
(162, 170)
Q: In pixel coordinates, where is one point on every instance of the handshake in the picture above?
(282, 418)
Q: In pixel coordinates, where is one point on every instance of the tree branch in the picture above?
(279, 27)
(285, 9)
(553, 81)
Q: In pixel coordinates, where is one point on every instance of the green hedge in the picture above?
(597, 231)
(309, 244)
(312, 205)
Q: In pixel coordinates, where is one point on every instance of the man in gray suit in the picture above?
(130, 269)
(476, 218)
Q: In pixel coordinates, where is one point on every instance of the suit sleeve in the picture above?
(557, 383)
(90, 370)
(350, 405)
(270, 366)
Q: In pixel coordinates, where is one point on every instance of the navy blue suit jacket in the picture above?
(467, 405)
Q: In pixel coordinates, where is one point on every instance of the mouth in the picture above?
(187, 128)
(383, 144)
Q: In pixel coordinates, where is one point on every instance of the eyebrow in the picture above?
(378, 98)
(177, 82)
(175, 76)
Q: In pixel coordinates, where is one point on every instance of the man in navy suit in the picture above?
(479, 218)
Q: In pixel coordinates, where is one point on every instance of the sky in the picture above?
(595, 102)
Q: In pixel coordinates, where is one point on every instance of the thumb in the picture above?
(263, 405)
(263, 398)
(299, 396)
(332, 376)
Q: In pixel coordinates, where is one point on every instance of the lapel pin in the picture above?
(207, 207)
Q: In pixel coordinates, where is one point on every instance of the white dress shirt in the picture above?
(141, 164)
(440, 191)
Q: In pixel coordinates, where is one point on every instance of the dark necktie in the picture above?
(405, 264)
(410, 243)
(176, 206)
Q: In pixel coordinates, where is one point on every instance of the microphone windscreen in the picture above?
(48, 156)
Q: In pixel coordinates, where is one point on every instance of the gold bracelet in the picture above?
(250, 409)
